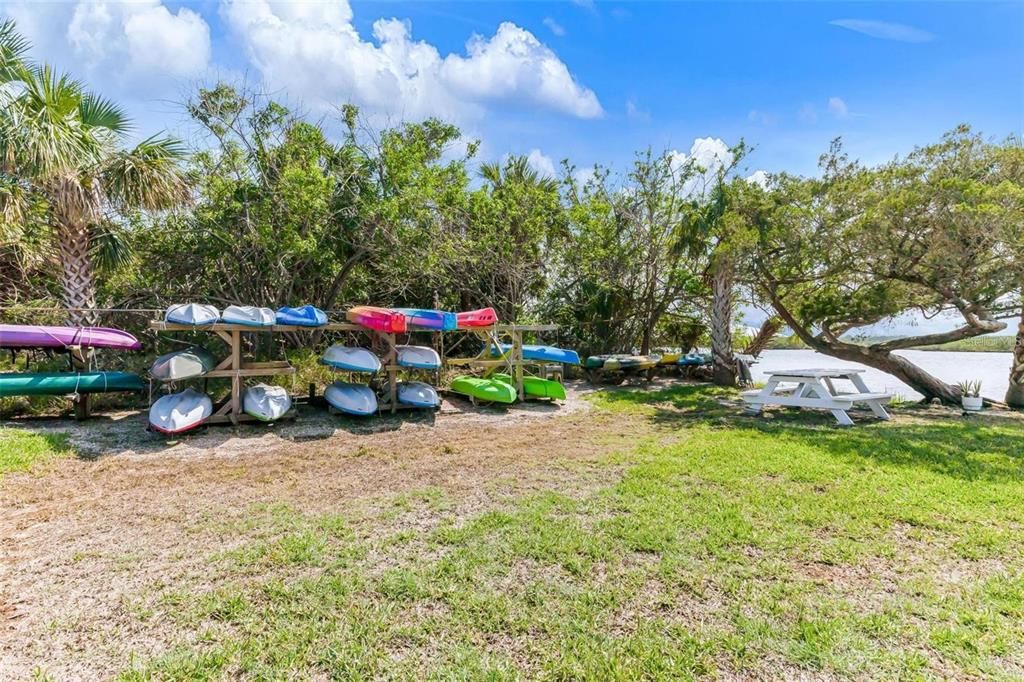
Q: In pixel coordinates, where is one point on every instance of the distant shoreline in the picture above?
(981, 344)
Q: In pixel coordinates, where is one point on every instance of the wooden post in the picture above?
(517, 358)
(236, 378)
(82, 407)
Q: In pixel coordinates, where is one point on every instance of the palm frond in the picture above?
(96, 112)
(150, 176)
(109, 246)
(13, 50)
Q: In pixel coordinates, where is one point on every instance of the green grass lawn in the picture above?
(21, 451)
(712, 544)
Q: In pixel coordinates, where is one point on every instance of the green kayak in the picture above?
(535, 387)
(489, 390)
(63, 383)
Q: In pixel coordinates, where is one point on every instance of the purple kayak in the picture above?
(35, 336)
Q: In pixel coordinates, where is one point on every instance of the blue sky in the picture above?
(589, 81)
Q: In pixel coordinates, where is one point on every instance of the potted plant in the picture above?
(970, 395)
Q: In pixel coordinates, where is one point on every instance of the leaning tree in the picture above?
(61, 147)
(934, 234)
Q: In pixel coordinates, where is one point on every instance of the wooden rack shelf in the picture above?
(513, 360)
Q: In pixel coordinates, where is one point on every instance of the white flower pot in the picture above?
(971, 403)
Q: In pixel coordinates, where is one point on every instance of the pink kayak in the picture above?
(379, 319)
(36, 336)
(484, 317)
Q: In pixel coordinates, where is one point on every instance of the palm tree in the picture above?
(62, 145)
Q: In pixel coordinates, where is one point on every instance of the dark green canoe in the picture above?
(63, 383)
(535, 387)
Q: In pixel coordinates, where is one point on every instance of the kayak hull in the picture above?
(351, 359)
(266, 403)
(535, 387)
(424, 318)
(542, 353)
(195, 314)
(489, 390)
(418, 357)
(305, 316)
(187, 363)
(354, 399)
(63, 383)
(35, 336)
(378, 319)
(180, 412)
(417, 394)
(249, 315)
(485, 317)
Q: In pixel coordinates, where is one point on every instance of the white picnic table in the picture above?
(815, 389)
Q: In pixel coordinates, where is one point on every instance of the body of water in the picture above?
(993, 369)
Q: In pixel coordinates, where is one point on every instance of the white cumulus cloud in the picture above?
(314, 51)
(541, 163)
(758, 177)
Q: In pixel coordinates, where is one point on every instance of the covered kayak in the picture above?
(305, 316)
(490, 390)
(485, 317)
(541, 353)
(535, 387)
(249, 315)
(380, 319)
(186, 363)
(418, 357)
(351, 359)
(192, 313)
(180, 412)
(417, 394)
(425, 318)
(265, 402)
(357, 399)
(35, 336)
(64, 383)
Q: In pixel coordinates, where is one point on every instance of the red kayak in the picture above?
(379, 319)
(484, 317)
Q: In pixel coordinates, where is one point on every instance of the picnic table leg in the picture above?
(842, 417)
(876, 406)
(769, 388)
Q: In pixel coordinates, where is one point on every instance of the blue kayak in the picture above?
(429, 319)
(417, 394)
(694, 359)
(357, 399)
(306, 316)
(542, 353)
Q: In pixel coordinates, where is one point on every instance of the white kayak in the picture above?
(358, 399)
(186, 363)
(352, 359)
(192, 313)
(249, 315)
(417, 394)
(266, 403)
(418, 357)
(179, 412)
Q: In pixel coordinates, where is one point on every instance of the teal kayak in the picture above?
(63, 383)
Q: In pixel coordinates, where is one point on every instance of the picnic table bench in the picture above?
(815, 389)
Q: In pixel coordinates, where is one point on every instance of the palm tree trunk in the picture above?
(77, 278)
(1015, 392)
(769, 328)
(721, 325)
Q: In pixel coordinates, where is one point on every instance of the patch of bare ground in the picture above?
(89, 547)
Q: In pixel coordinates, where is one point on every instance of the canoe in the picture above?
(670, 358)
(596, 361)
(490, 390)
(249, 315)
(266, 403)
(357, 399)
(305, 316)
(535, 387)
(631, 362)
(351, 359)
(63, 383)
(417, 394)
(186, 363)
(35, 336)
(418, 357)
(694, 359)
(542, 353)
(424, 318)
(192, 313)
(485, 317)
(379, 319)
(180, 412)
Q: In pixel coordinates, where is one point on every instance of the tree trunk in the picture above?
(77, 278)
(769, 328)
(1015, 393)
(721, 326)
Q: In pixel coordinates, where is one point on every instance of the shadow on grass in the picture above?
(941, 441)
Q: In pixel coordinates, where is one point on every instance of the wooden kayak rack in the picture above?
(237, 369)
(494, 336)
